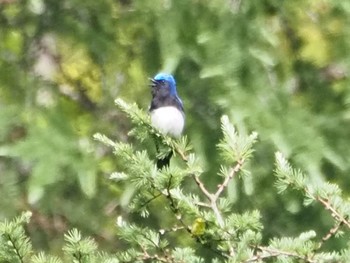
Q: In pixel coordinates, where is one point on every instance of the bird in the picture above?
(166, 110)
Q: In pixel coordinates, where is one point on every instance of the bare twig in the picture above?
(214, 197)
(173, 229)
(151, 199)
(217, 213)
(272, 252)
(178, 216)
(234, 170)
(330, 233)
(181, 154)
(202, 204)
(146, 256)
(202, 187)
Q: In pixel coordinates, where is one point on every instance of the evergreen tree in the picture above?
(201, 227)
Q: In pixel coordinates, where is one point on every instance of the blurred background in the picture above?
(280, 68)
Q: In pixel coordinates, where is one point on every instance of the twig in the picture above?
(150, 200)
(214, 197)
(272, 252)
(173, 229)
(173, 207)
(330, 233)
(178, 216)
(217, 213)
(147, 256)
(202, 204)
(228, 178)
(335, 213)
(181, 154)
(202, 187)
(15, 248)
(329, 207)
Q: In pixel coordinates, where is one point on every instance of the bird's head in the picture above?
(164, 83)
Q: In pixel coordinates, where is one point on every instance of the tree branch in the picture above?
(235, 170)
(272, 252)
(181, 154)
(15, 248)
(330, 233)
(202, 187)
(335, 213)
(214, 197)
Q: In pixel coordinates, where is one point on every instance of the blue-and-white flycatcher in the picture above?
(166, 110)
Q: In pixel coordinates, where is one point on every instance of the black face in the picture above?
(160, 88)
(161, 95)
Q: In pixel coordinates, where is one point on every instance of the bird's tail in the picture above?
(161, 163)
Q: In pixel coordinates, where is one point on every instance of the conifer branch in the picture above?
(203, 204)
(173, 229)
(233, 172)
(267, 252)
(325, 195)
(337, 216)
(330, 233)
(179, 217)
(146, 257)
(202, 188)
(174, 208)
(236, 149)
(214, 197)
(151, 199)
(13, 238)
(181, 154)
(16, 248)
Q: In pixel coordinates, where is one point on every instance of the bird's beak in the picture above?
(153, 82)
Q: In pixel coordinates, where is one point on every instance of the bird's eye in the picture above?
(163, 81)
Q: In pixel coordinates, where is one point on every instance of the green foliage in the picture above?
(329, 195)
(42, 258)
(233, 147)
(280, 68)
(15, 246)
(80, 250)
(230, 237)
(201, 227)
(60, 150)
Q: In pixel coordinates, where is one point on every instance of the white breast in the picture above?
(169, 120)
